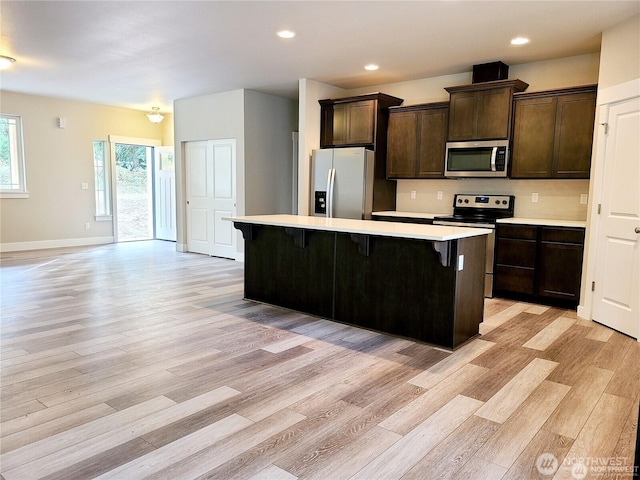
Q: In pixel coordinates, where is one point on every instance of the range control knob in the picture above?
(466, 200)
(459, 200)
(497, 202)
(504, 202)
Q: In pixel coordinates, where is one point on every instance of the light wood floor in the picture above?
(132, 360)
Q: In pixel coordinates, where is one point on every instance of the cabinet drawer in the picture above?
(514, 279)
(516, 252)
(563, 235)
(525, 232)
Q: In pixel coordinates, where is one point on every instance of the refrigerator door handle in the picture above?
(327, 204)
(331, 178)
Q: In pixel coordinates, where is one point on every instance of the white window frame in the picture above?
(102, 196)
(18, 171)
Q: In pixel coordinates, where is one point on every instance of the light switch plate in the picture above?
(439, 194)
(84, 186)
(534, 198)
(413, 194)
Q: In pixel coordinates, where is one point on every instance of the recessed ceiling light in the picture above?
(6, 62)
(519, 41)
(371, 67)
(286, 34)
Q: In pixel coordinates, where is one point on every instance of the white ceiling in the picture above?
(139, 54)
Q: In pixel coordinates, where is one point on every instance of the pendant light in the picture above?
(154, 115)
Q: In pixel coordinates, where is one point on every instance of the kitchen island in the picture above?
(424, 282)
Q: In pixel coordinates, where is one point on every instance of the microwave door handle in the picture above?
(494, 151)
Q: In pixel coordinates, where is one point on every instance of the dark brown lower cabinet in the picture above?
(539, 263)
(560, 263)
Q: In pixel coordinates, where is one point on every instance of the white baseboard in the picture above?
(45, 244)
(181, 247)
(583, 312)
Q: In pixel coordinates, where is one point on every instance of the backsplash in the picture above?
(557, 199)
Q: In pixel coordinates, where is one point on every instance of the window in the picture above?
(101, 178)
(12, 174)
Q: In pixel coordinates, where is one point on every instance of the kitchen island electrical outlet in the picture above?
(534, 198)
(413, 194)
(583, 198)
(439, 194)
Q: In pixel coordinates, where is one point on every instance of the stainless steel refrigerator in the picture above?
(342, 182)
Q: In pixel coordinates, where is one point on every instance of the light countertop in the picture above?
(365, 227)
(513, 220)
(544, 222)
(393, 213)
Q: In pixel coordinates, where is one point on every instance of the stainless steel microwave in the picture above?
(477, 158)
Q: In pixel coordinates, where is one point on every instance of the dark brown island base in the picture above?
(424, 282)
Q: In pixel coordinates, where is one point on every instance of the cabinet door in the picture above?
(559, 270)
(339, 124)
(494, 113)
(463, 115)
(574, 135)
(401, 145)
(360, 122)
(432, 137)
(326, 126)
(533, 137)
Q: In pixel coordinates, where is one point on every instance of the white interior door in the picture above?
(199, 179)
(616, 295)
(224, 197)
(211, 195)
(165, 194)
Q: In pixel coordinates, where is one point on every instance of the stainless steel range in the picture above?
(480, 211)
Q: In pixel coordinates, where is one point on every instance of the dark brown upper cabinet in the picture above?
(416, 141)
(553, 133)
(482, 111)
(356, 121)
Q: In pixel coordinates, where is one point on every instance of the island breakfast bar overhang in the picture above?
(424, 282)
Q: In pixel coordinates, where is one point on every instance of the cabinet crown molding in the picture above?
(517, 85)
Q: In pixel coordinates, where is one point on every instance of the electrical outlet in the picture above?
(583, 198)
(84, 186)
(413, 194)
(439, 195)
(87, 226)
(534, 198)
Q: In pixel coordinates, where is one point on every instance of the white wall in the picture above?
(58, 161)
(546, 75)
(620, 53)
(269, 122)
(207, 117)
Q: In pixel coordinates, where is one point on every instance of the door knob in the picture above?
(187, 202)
(637, 229)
